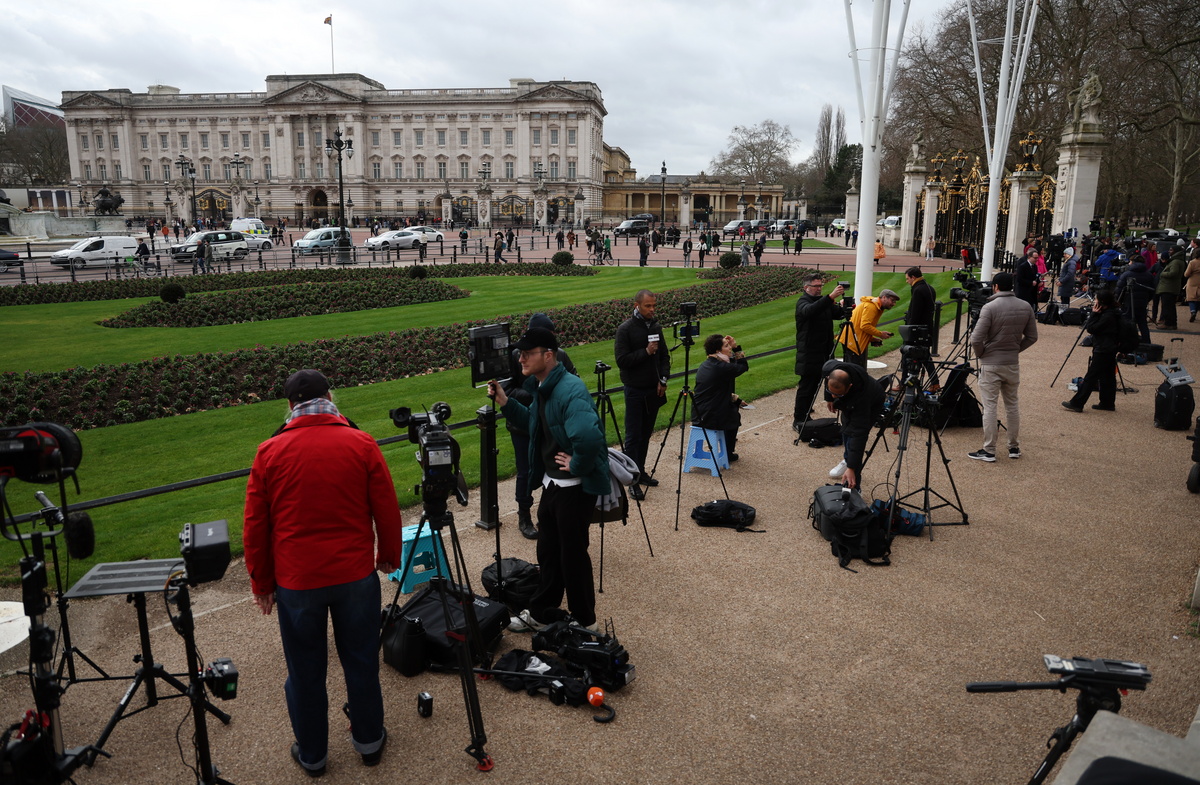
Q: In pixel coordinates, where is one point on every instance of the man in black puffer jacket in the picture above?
(815, 313)
(1135, 287)
(1105, 327)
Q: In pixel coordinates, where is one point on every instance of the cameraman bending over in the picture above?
(716, 404)
(568, 458)
(849, 390)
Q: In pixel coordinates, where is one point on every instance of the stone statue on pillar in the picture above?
(916, 154)
(1085, 100)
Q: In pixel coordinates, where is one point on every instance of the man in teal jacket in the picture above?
(568, 458)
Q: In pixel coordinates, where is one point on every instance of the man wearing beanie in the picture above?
(568, 458)
(514, 388)
(310, 541)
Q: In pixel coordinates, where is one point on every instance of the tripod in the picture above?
(913, 402)
(604, 408)
(468, 646)
(686, 340)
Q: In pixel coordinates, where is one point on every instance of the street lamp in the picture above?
(257, 201)
(187, 170)
(332, 146)
(662, 199)
(1029, 147)
(742, 199)
(167, 201)
(579, 199)
(758, 201)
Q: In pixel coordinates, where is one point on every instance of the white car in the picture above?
(400, 238)
(95, 251)
(431, 235)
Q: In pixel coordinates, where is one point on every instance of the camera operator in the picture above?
(859, 398)
(318, 496)
(1134, 289)
(715, 404)
(1006, 327)
(514, 388)
(644, 364)
(862, 333)
(920, 313)
(815, 314)
(1104, 325)
(568, 458)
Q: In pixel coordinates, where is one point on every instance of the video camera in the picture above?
(601, 655)
(1082, 671)
(686, 330)
(847, 299)
(438, 454)
(918, 342)
(39, 452)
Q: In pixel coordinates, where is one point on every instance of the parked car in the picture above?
(733, 227)
(888, 221)
(761, 225)
(633, 227)
(789, 223)
(95, 252)
(838, 223)
(322, 240)
(648, 217)
(225, 245)
(431, 235)
(9, 259)
(254, 232)
(400, 238)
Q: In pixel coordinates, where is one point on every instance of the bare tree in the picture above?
(758, 152)
(35, 154)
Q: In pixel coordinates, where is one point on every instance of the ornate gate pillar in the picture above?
(851, 215)
(1023, 182)
(933, 192)
(483, 206)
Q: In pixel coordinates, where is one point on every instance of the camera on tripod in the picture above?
(918, 342)
(438, 452)
(602, 367)
(686, 330)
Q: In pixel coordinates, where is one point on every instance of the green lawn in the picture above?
(143, 455)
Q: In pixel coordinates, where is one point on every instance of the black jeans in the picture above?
(806, 391)
(641, 411)
(1167, 310)
(1102, 375)
(563, 517)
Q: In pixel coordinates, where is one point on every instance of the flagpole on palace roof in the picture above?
(329, 21)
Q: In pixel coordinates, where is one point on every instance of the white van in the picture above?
(95, 252)
(320, 240)
(254, 232)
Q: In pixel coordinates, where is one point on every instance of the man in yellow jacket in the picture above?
(862, 332)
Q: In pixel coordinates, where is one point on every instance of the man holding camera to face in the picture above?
(568, 458)
(815, 314)
(716, 406)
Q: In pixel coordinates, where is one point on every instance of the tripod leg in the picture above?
(666, 433)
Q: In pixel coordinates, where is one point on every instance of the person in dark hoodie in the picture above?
(514, 388)
(1134, 289)
(850, 391)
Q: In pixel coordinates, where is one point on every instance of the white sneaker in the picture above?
(524, 622)
(839, 470)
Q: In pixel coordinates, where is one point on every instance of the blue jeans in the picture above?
(354, 608)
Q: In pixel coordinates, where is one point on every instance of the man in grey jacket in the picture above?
(1006, 327)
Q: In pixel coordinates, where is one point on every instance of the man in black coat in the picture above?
(814, 341)
(1135, 287)
(1026, 279)
(644, 364)
(1105, 327)
(921, 313)
(715, 406)
(859, 398)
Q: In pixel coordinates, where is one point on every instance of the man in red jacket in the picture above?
(319, 493)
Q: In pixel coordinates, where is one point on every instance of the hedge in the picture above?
(104, 395)
(120, 289)
(282, 302)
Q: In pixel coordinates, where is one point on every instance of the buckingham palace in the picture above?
(486, 155)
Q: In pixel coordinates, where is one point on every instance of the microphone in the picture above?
(77, 528)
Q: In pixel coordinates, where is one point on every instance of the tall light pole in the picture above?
(188, 170)
(337, 146)
(662, 199)
(167, 203)
(742, 200)
(257, 201)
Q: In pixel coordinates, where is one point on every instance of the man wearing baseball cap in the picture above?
(310, 540)
(569, 459)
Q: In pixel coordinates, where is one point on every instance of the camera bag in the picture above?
(726, 513)
(426, 606)
(821, 432)
(1072, 317)
(520, 582)
(853, 530)
(1173, 406)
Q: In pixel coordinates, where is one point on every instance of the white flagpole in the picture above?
(332, 67)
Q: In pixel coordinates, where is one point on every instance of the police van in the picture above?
(254, 231)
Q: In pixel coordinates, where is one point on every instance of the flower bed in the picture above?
(105, 395)
(281, 302)
(81, 291)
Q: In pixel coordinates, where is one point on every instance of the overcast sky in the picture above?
(676, 75)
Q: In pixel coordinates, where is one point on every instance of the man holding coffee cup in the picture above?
(644, 364)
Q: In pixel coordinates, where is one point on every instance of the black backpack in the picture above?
(521, 581)
(726, 513)
(853, 530)
(819, 432)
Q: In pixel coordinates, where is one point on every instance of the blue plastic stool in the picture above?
(698, 455)
(423, 566)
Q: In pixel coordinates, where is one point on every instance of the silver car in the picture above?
(400, 238)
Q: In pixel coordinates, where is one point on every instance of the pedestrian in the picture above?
(854, 239)
(930, 247)
(1006, 327)
(745, 253)
(569, 460)
(320, 519)
(607, 248)
(655, 241)
(880, 252)
(760, 245)
(687, 252)
(1192, 275)
(498, 248)
(787, 241)
(510, 239)
(571, 240)
(1104, 325)
(845, 238)
(645, 363)
(643, 250)
(463, 235)
(559, 238)
(1170, 281)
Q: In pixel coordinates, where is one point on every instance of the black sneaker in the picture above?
(373, 758)
(982, 455)
(636, 493)
(1014, 452)
(648, 481)
(1072, 407)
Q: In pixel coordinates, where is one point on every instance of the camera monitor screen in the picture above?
(489, 353)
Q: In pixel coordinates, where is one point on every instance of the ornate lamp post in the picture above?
(188, 170)
(1029, 147)
(257, 201)
(337, 146)
(662, 199)
(741, 202)
(167, 201)
(758, 201)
